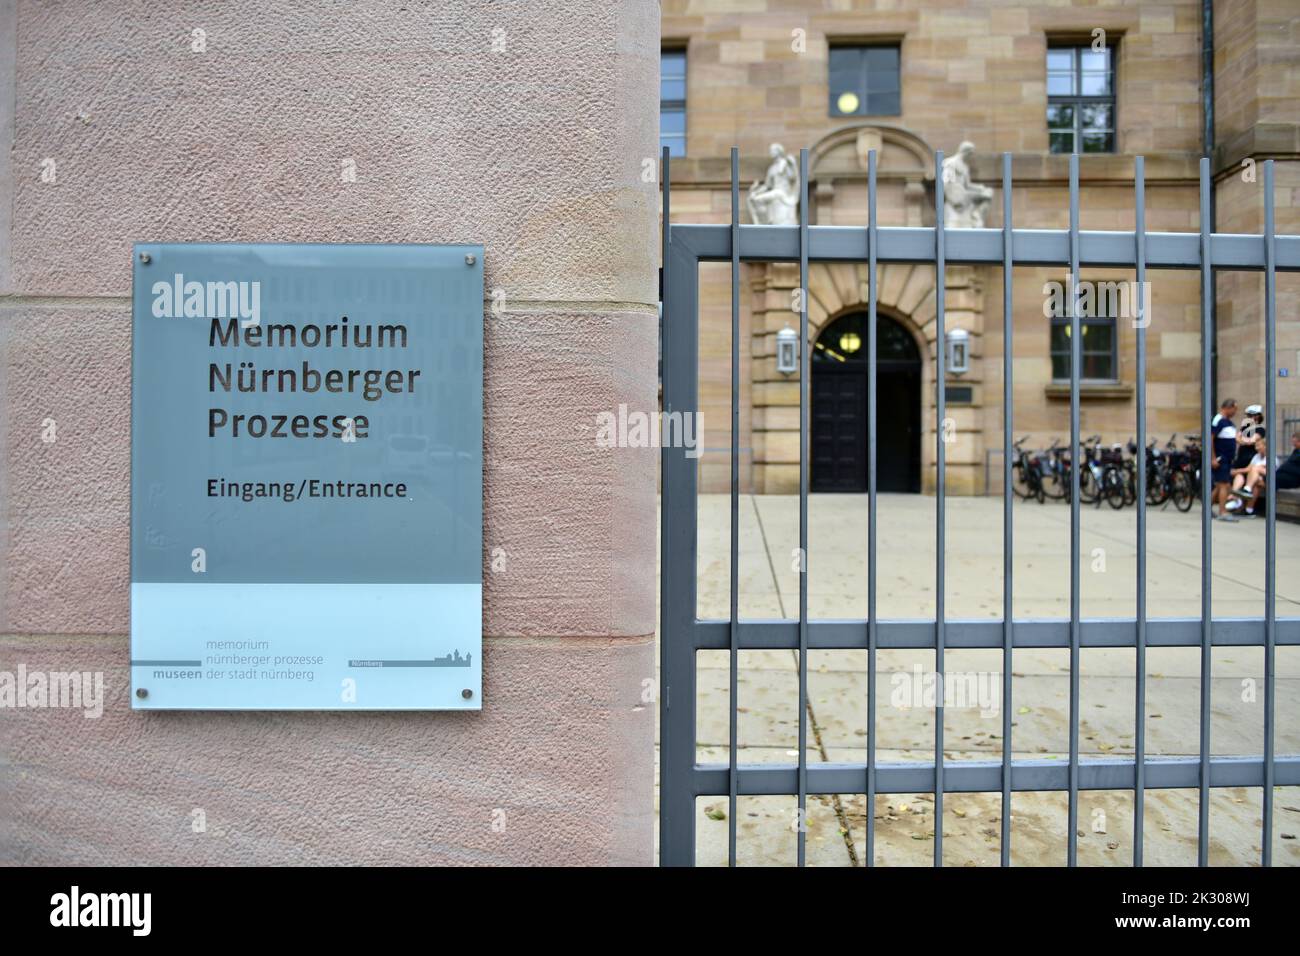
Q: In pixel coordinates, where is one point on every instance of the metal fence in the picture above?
(1290, 416)
(682, 779)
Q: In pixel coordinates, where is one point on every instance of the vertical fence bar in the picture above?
(871, 510)
(1274, 447)
(940, 460)
(1143, 320)
(1008, 614)
(1076, 486)
(679, 547)
(805, 377)
(1207, 487)
(735, 498)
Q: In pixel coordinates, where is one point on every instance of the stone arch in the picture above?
(837, 175)
(901, 319)
(844, 150)
(905, 291)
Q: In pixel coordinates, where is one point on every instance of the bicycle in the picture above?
(1027, 480)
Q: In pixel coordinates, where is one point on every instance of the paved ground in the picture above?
(768, 696)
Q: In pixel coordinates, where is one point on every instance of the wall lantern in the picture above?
(958, 351)
(787, 351)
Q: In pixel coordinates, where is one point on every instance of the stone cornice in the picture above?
(1261, 141)
(1026, 168)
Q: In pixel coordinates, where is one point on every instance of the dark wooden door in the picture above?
(838, 414)
(898, 428)
(839, 430)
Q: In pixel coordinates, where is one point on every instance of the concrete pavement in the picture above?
(768, 682)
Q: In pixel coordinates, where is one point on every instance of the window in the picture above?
(1098, 351)
(1080, 99)
(864, 81)
(672, 101)
(1098, 348)
(844, 341)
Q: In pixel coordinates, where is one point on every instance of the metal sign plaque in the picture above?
(307, 477)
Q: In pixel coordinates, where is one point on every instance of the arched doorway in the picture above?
(839, 406)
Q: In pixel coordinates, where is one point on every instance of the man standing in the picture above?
(1224, 435)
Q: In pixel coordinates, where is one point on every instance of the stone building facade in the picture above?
(759, 72)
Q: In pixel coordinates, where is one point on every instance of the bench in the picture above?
(1288, 504)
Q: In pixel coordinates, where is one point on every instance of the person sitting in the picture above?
(1248, 483)
(1252, 427)
(1288, 473)
(1251, 430)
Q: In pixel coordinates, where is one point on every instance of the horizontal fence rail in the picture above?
(683, 779)
(1029, 247)
(973, 776)
(829, 635)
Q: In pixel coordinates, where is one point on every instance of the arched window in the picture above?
(844, 341)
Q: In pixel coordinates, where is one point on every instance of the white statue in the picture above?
(775, 201)
(964, 202)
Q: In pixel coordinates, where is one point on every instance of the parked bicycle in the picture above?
(1109, 474)
(1028, 473)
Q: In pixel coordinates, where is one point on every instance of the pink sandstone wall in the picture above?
(536, 151)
